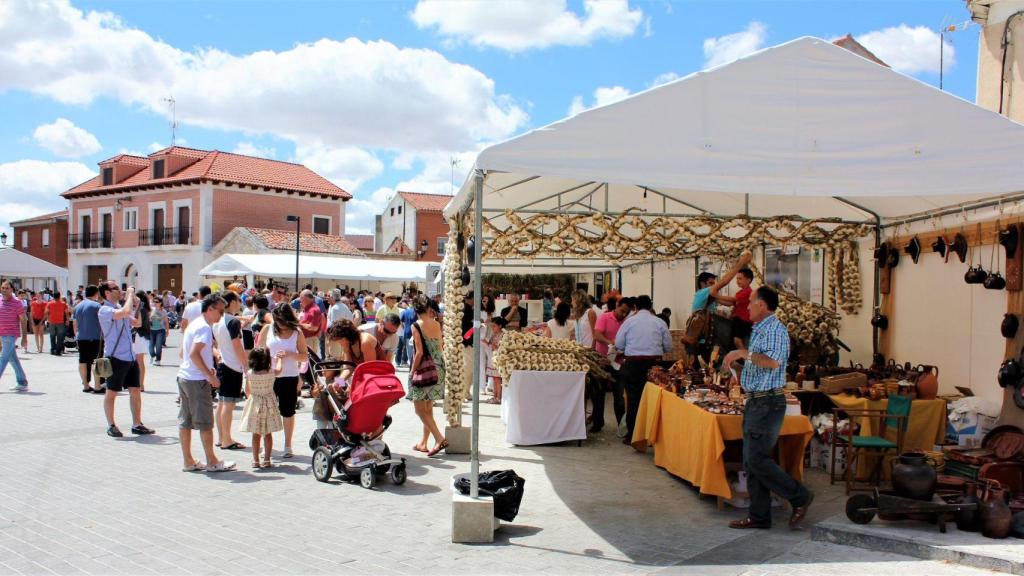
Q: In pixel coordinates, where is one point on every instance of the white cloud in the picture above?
(361, 209)
(347, 167)
(909, 50)
(725, 49)
(664, 78)
(65, 139)
(154, 146)
(250, 149)
(335, 92)
(603, 95)
(31, 187)
(518, 25)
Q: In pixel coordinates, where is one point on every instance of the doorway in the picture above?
(131, 276)
(168, 277)
(95, 274)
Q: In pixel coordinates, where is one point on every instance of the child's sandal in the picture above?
(268, 463)
(255, 464)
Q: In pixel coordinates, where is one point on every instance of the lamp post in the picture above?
(424, 246)
(297, 220)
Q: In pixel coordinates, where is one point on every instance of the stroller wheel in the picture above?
(397, 474)
(322, 465)
(368, 477)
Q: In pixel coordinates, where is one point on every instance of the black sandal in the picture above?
(234, 446)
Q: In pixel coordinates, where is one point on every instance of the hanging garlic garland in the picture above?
(454, 294)
(844, 290)
(631, 236)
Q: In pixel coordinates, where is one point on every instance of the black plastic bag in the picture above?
(505, 487)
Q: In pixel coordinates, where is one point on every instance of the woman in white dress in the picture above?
(585, 316)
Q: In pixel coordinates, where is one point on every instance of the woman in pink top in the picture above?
(11, 310)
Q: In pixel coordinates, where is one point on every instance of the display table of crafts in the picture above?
(689, 442)
(925, 428)
(541, 407)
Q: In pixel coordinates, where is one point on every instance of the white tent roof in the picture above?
(325, 267)
(15, 264)
(796, 127)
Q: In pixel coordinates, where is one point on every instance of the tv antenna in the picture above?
(454, 162)
(174, 118)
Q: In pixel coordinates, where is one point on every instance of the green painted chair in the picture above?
(892, 427)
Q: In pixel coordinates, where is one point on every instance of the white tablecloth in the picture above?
(544, 407)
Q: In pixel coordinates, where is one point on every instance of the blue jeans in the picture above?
(156, 343)
(762, 421)
(402, 354)
(57, 332)
(9, 356)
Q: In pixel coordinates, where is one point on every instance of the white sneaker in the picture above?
(19, 388)
(156, 362)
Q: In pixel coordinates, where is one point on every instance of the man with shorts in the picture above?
(196, 378)
(87, 332)
(116, 328)
(228, 334)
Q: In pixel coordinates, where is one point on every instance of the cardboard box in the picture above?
(840, 382)
(969, 431)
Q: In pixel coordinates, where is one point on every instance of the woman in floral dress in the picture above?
(427, 339)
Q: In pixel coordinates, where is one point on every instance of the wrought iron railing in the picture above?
(165, 236)
(90, 240)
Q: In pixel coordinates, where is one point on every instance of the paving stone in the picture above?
(78, 501)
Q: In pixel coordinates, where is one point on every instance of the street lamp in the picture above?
(297, 221)
(424, 246)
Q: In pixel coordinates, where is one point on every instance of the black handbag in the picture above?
(505, 487)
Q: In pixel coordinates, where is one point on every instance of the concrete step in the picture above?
(923, 540)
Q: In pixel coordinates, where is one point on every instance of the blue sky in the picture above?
(379, 96)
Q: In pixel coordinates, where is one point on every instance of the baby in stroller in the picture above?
(357, 416)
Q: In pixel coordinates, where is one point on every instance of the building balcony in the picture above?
(90, 240)
(179, 236)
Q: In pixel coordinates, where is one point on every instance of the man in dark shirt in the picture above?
(514, 314)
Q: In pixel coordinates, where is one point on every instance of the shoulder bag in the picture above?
(103, 367)
(698, 325)
(425, 374)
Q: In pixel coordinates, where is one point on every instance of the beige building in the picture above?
(1000, 55)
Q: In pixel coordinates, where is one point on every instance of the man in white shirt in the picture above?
(233, 358)
(339, 309)
(196, 378)
(643, 338)
(194, 309)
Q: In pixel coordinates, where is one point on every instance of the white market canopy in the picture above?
(804, 128)
(16, 264)
(282, 266)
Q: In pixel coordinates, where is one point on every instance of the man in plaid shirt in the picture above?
(763, 380)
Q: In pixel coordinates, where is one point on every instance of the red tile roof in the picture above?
(364, 242)
(308, 242)
(426, 202)
(37, 219)
(216, 166)
(398, 246)
(857, 48)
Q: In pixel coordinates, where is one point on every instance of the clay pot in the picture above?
(994, 514)
(913, 477)
(968, 520)
(928, 382)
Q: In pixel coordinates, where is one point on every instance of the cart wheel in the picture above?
(859, 508)
(368, 477)
(322, 465)
(397, 474)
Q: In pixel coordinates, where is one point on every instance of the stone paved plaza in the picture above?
(73, 500)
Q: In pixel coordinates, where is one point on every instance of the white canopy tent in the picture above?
(15, 264)
(317, 267)
(804, 128)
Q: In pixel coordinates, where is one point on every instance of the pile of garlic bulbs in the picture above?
(524, 351)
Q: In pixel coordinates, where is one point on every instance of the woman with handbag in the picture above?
(426, 374)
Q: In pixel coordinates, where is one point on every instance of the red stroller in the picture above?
(351, 446)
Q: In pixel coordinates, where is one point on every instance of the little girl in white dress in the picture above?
(261, 416)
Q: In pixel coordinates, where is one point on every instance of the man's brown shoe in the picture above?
(747, 523)
(800, 512)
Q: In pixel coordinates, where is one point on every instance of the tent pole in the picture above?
(652, 279)
(478, 231)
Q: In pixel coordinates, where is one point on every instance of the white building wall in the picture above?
(145, 261)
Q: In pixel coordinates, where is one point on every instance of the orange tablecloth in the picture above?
(689, 442)
(926, 426)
